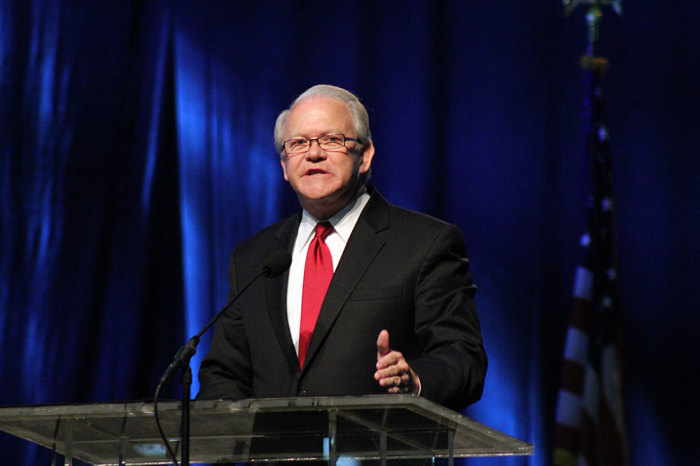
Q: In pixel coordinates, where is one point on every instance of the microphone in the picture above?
(276, 263)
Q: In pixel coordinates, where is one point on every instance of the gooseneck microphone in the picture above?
(278, 262)
(275, 264)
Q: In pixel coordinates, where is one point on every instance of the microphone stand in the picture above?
(183, 356)
(186, 381)
(278, 262)
(186, 387)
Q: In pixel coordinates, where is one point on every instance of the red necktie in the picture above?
(318, 272)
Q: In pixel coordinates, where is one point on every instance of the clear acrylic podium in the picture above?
(376, 427)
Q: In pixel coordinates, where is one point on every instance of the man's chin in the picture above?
(318, 194)
(322, 207)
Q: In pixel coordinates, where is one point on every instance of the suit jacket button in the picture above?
(302, 393)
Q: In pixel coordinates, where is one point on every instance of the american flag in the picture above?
(590, 426)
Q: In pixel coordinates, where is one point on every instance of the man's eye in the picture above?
(294, 143)
(333, 139)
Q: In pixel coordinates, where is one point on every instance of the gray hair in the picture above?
(357, 110)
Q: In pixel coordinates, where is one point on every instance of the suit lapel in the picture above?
(362, 248)
(276, 290)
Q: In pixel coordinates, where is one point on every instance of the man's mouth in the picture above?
(315, 171)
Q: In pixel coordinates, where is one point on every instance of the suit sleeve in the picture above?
(452, 364)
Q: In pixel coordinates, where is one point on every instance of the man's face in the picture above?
(325, 181)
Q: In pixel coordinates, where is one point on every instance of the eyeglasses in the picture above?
(330, 142)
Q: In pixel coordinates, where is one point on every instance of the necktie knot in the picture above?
(323, 229)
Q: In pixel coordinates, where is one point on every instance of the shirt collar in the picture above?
(343, 221)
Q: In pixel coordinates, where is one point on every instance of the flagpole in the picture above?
(597, 148)
(590, 418)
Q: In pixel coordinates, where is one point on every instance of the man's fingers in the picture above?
(391, 368)
(392, 364)
(393, 372)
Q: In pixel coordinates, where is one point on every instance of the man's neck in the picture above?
(322, 212)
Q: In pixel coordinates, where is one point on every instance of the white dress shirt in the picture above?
(343, 223)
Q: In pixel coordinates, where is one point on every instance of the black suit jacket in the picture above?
(401, 271)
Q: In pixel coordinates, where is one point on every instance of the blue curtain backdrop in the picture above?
(136, 151)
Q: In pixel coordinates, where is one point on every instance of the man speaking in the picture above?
(378, 299)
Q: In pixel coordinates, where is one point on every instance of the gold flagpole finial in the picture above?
(591, 61)
(571, 5)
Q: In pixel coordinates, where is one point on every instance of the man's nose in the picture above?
(315, 151)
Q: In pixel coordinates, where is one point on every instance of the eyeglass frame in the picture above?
(317, 139)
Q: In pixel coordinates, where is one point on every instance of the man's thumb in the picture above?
(383, 344)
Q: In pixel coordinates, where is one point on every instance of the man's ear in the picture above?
(283, 162)
(366, 158)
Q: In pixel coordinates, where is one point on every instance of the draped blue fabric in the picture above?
(136, 152)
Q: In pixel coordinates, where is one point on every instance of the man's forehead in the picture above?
(315, 101)
(319, 109)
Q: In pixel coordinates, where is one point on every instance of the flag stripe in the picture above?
(576, 348)
(567, 437)
(583, 284)
(579, 314)
(569, 409)
(612, 386)
(573, 377)
(611, 441)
